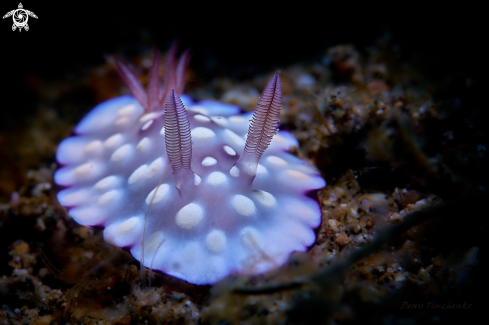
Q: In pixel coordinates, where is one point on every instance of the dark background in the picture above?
(443, 46)
(239, 39)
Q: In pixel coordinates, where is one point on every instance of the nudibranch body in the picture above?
(192, 189)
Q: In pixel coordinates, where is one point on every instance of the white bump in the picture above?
(84, 169)
(125, 233)
(234, 138)
(277, 161)
(120, 153)
(88, 216)
(229, 150)
(201, 118)
(160, 194)
(127, 226)
(216, 178)
(107, 197)
(154, 167)
(190, 255)
(197, 179)
(90, 171)
(142, 145)
(189, 216)
(243, 205)
(113, 141)
(202, 133)
(162, 131)
(127, 110)
(93, 146)
(279, 140)
(296, 174)
(74, 196)
(265, 198)
(220, 120)
(299, 233)
(153, 242)
(209, 161)
(123, 120)
(137, 174)
(150, 116)
(216, 241)
(304, 211)
(105, 183)
(261, 169)
(147, 125)
(199, 109)
(250, 237)
(234, 171)
(238, 119)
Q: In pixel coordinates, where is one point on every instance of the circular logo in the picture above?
(20, 18)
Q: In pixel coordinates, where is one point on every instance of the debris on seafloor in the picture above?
(396, 223)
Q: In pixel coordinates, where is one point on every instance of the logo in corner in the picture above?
(20, 17)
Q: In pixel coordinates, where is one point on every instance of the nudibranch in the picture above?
(197, 190)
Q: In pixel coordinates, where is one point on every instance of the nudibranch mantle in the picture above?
(173, 179)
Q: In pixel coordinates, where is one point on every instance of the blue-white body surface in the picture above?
(117, 175)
